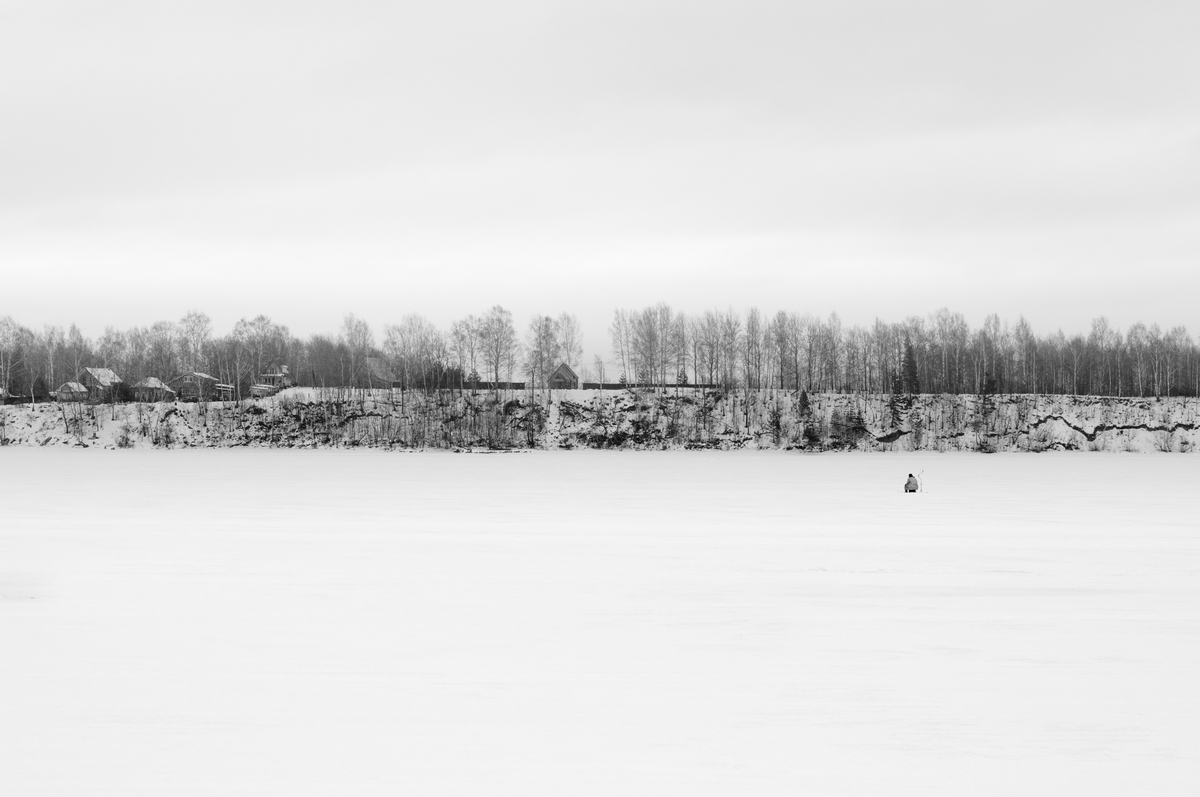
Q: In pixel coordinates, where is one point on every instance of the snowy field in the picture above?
(267, 622)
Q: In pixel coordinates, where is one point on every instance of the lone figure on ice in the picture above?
(911, 485)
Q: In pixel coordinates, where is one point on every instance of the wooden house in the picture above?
(276, 376)
(194, 386)
(223, 392)
(152, 389)
(564, 378)
(101, 383)
(71, 391)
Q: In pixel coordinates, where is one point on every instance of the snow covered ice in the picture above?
(271, 622)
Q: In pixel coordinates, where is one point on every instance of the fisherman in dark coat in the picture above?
(911, 485)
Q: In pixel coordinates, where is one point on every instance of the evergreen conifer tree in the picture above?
(912, 383)
(899, 402)
(987, 403)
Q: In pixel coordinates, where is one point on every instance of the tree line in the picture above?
(938, 353)
(412, 354)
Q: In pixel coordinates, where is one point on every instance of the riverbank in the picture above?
(643, 419)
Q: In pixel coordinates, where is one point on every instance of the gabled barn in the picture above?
(194, 386)
(564, 378)
(71, 391)
(101, 383)
(152, 389)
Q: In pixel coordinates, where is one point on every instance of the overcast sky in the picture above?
(305, 160)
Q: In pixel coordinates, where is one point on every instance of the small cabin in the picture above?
(71, 392)
(564, 378)
(194, 386)
(100, 383)
(223, 392)
(153, 389)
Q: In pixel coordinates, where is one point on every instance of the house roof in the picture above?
(154, 383)
(104, 376)
(566, 371)
(198, 374)
(72, 387)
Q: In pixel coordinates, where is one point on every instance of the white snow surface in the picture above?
(272, 622)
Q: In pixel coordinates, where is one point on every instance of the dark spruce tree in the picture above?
(986, 418)
(912, 383)
(899, 401)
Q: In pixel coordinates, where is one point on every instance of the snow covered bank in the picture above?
(597, 623)
(625, 419)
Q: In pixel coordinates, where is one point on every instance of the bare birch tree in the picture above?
(621, 331)
(10, 351)
(359, 341)
(500, 345)
(195, 331)
(467, 338)
(541, 350)
(570, 339)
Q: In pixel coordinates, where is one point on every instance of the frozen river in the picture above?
(258, 622)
